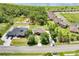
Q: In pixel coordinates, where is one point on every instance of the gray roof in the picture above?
(17, 32)
(39, 30)
(73, 28)
(57, 20)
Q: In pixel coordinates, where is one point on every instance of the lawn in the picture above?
(26, 54)
(19, 24)
(71, 17)
(19, 19)
(19, 42)
(35, 26)
(1, 42)
(4, 27)
(75, 53)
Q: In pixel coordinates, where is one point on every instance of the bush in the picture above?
(44, 38)
(48, 54)
(29, 32)
(1, 42)
(31, 40)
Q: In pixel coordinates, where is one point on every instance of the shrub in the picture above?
(29, 32)
(44, 38)
(31, 40)
(48, 54)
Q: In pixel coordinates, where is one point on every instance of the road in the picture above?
(32, 49)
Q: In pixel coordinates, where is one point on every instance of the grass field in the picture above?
(71, 17)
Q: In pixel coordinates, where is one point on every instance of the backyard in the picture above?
(71, 17)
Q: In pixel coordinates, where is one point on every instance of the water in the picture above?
(49, 4)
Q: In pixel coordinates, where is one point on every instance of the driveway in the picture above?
(32, 49)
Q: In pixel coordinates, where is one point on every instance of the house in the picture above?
(74, 29)
(38, 31)
(17, 32)
(57, 20)
(63, 24)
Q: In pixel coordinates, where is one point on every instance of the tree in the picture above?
(44, 38)
(3, 19)
(64, 36)
(53, 30)
(41, 19)
(31, 40)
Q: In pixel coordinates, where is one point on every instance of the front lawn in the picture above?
(19, 42)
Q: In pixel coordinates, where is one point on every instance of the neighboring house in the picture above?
(57, 20)
(74, 28)
(17, 32)
(63, 24)
(38, 31)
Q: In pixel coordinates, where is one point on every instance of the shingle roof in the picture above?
(74, 28)
(39, 30)
(17, 32)
(57, 20)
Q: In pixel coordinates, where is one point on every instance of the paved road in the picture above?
(59, 48)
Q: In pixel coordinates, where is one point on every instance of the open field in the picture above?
(73, 18)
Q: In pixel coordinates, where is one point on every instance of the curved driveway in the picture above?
(32, 49)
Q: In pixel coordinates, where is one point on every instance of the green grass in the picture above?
(1, 42)
(73, 18)
(76, 53)
(19, 42)
(25, 54)
(19, 19)
(3, 27)
(38, 26)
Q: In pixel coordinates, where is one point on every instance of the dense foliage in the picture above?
(44, 37)
(31, 40)
(36, 14)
